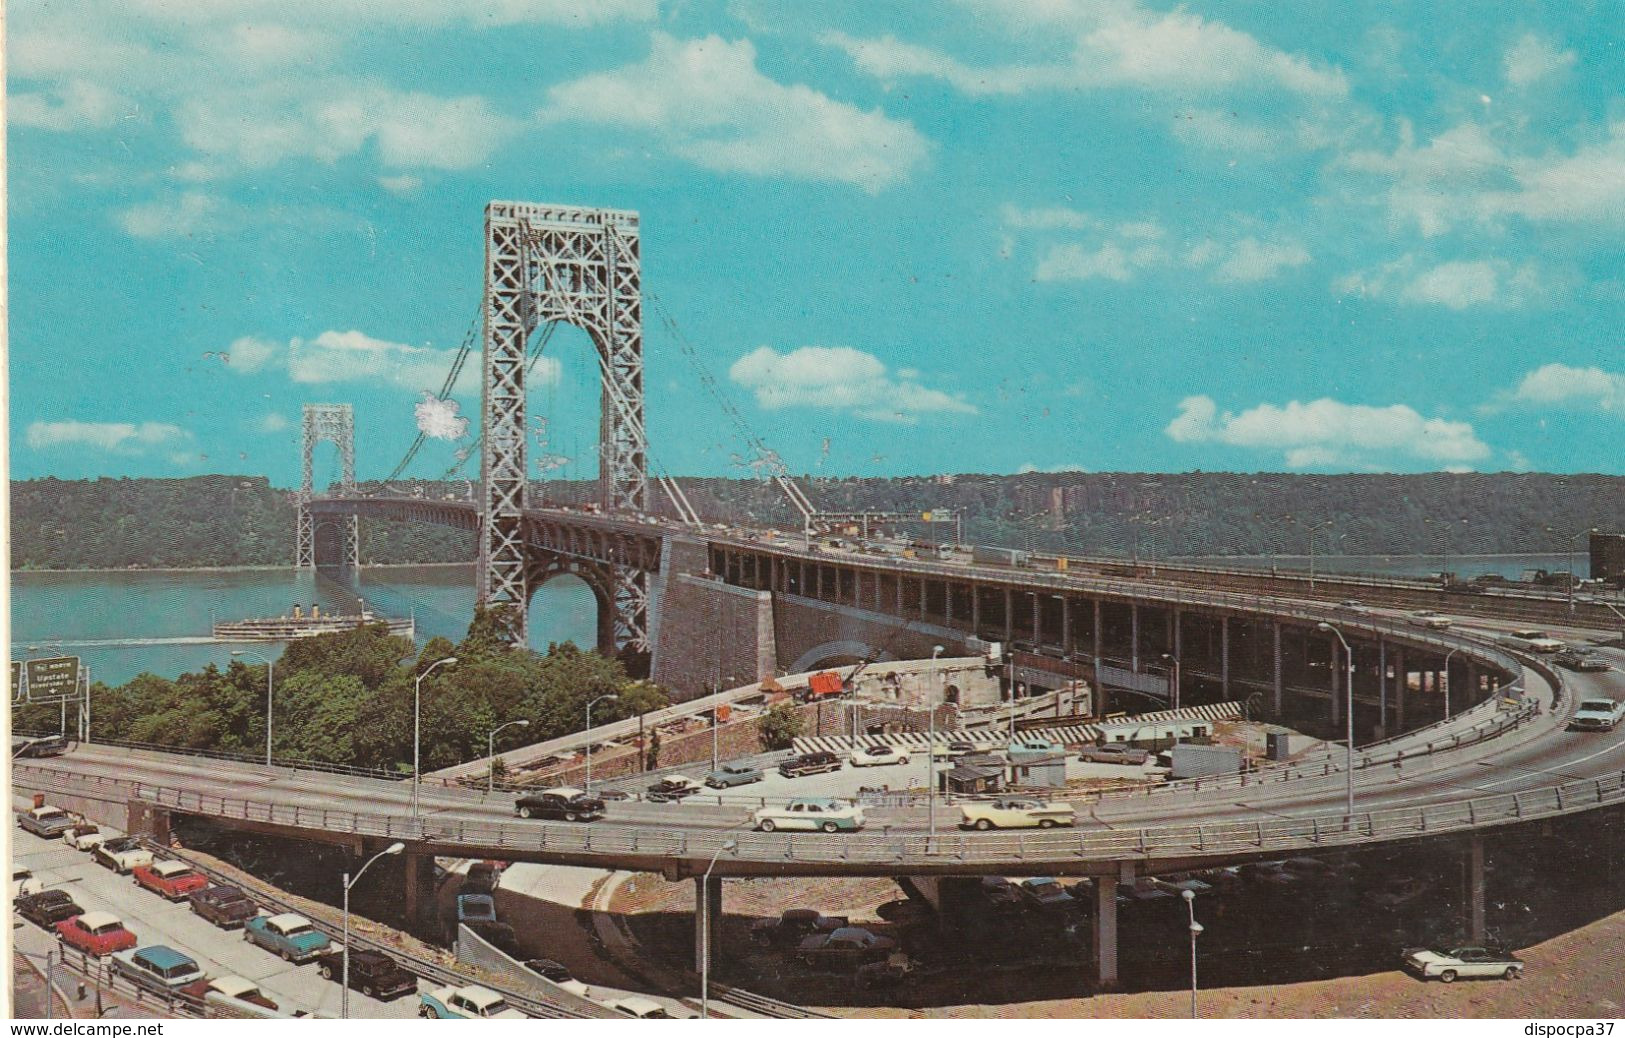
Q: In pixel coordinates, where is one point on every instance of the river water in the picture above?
(128, 622)
(124, 623)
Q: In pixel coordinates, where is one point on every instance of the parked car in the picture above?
(1015, 813)
(794, 924)
(1045, 892)
(877, 756)
(1113, 753)
(158, 967)
(476, 908)
(1594, 663)
(95, 933)
(1000, 892)
(372, 973)
(24, 882)
(640, 1008)
(286, 934)
(47, 908)
(1472, 961)
(483, 877)
(608, 795)
(730, 775)
(174, 880)
(671, 789)
(121, 854)
(820, 813)
(469, 1002)
(559, 974)
(1034, 745)
(848, 947)
(562, 802)
(240, 988)
(44, 746)
(1597, 715)
(48, 821)
(83, 837)
(226, 907)
(810, 764)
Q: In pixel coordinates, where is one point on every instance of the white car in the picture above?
(876, 756)
(1015, 813)
(469, 1002)
(121, 854)
(1597, 715)
(640, 1008)
(1431, 620)
(1462, 962)
(84, 837)
(24, 882)
(812, 813)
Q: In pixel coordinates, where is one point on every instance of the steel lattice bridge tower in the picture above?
(579, 266)
(334, 423)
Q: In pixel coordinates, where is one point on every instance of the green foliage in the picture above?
(348, 698)
(780, 726)
(652, 761)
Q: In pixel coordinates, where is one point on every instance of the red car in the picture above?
(175, 880)
(235, 987)
(96, 933)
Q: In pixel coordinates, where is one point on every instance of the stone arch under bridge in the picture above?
(581, 266)
(600, 578)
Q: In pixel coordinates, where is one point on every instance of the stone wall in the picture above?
(809, 634)
(708, 631)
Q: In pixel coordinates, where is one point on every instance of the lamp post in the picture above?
(1173, 666)
(491, 752)
(1349, 683)
(344, 985)
(417, 725)
(705, 929)
(590, 704)
(270, 667)
(1447, 656)
(931, 748)
(1196, 931)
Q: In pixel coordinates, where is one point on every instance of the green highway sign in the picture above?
(53, 678)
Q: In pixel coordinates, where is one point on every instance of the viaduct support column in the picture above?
(707, 913)
(1068, 643)
(1224, 656)
(1473, 884)
(419, 884)
(976, 610)
(1382, 691)
(1038, 623)
(1402, 681)
(1009, 617)
(1106, 933)
(1276, 631)
(1134, 638)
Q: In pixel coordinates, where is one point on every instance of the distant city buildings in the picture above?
(1608, 557)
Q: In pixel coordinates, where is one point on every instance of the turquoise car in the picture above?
(730, 775)
(469, 1002)
(291, 936)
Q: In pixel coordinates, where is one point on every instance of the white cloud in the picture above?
(74, 105)
(182, 216)
(112, 437)
(1533, 59)
(1327, 432)
(1045, 219)
(1253, 260)
(839, 378)
(713, 107)
(354, 356)
(1456, 284)
(1112, 45)
(1561, 385)
(250, 353)
(405, 184)
(272, 423)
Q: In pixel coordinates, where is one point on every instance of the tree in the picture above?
(780, 726)
(653, 760)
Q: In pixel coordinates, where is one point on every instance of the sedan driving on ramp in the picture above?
(1015, 813)
(821, 814)
(1446, 966)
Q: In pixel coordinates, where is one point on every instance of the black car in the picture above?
(483, 878)
(47, 908)
(565, 802)
(372, 973)
(815, 763)
(223, 906)
(45, 746)
(671, 790)
(557, 972)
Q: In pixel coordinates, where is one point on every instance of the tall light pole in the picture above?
(705, 929)
(1196, 931)
(931, 747)
(1349, 683)
(1447, 656)
(344, 985)
(491, 752)
(417, 725)
(590, 704)
(1173, 688)
(270, 667)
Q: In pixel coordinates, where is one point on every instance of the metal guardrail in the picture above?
(764, 1006)
(885, 849)
(105, 978)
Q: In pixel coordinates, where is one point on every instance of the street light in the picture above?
(1447, 656)
(590, 705)
(270, 666)
(417, 725)
(1196, 931)
(705, 929)
(1349, 768)
(491, 752)
(344, 987)
(931, 750)
(1174, 677)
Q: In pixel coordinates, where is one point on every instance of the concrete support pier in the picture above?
(1106, 933)
(1473, 887)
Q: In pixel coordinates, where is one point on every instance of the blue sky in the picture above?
(975, 235)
